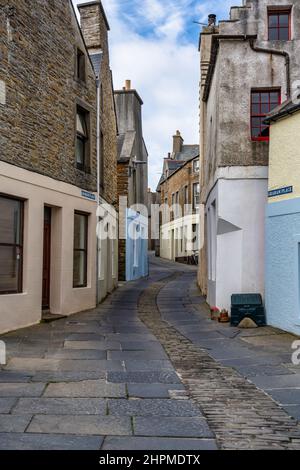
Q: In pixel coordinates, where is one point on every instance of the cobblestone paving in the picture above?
(146, 370)
(241, 415)
(97, 380)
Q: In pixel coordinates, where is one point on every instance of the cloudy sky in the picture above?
(155, 44)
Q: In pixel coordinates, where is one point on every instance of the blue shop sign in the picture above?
(88, 195)
(281, 191)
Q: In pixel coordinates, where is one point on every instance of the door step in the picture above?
(48, 317)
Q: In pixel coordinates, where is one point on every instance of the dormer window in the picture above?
(279, 25)
(80, 66)
(82, 138)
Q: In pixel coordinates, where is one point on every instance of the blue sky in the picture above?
(155, 44)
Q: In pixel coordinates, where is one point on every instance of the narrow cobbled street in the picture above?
(149, 370)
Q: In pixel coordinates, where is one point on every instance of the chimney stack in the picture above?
(177, 143)
(94, 25)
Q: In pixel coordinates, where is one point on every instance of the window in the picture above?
(196, 196)
(136, 247)
(80, 66)
(11, 245)
(177, 204)
(279, 25)
(186, 194)
(262, 102)
(173, 207)
(195, 231)
(196, 166)
(82, 138)
(181, 240)
(166, 211)
(80, 250)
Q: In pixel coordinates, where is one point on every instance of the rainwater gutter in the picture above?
(251, 39)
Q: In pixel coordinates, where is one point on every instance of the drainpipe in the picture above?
(98, 146)
(280, 53)
(251, 39)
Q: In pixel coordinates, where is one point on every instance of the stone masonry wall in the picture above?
(122, 191)
(95, 29)
(38, 53)
(177, 182)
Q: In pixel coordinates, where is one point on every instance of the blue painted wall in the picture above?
(283, 265)
(137, 264)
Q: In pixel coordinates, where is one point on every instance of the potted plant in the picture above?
(214, 313)
(224, 316)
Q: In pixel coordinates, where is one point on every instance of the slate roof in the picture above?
(126, 145)
(285, 109)
(188, 153)
(96, 60)
(171, 165)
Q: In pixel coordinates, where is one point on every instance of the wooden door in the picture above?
(46, 258)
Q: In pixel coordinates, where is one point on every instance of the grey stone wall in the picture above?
(129, 117)
(95, 29)
(225, 116)
(38, 50)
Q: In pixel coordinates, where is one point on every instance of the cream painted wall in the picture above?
(284, 166)
(170, 248)
(21, 310)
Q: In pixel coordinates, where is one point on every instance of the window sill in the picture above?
(260, 139)
(86, 171)
(81, 288)
(280, 40)
(10, 294)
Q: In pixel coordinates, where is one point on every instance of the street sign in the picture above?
(88, 195)
(281, 191)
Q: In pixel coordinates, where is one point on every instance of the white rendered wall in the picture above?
(240, 220)
(169, 247)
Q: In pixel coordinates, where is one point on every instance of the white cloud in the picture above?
(149, 44)
(153, 10)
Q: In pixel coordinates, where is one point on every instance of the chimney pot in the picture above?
(128, 85)
(212, 20)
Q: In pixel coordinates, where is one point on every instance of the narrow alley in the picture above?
(149, 370)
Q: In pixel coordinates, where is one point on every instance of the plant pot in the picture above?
(224, 317)
(214, 313)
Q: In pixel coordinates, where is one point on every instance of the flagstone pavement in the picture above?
(149, 370)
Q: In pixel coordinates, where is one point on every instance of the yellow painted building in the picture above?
(283, 220)
(284, 162)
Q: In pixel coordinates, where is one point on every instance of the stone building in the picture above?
(179, 191)
(132, 185)
(151, 202)
(48, 163)
(95, 28)
(248, 66)
(283, 219)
